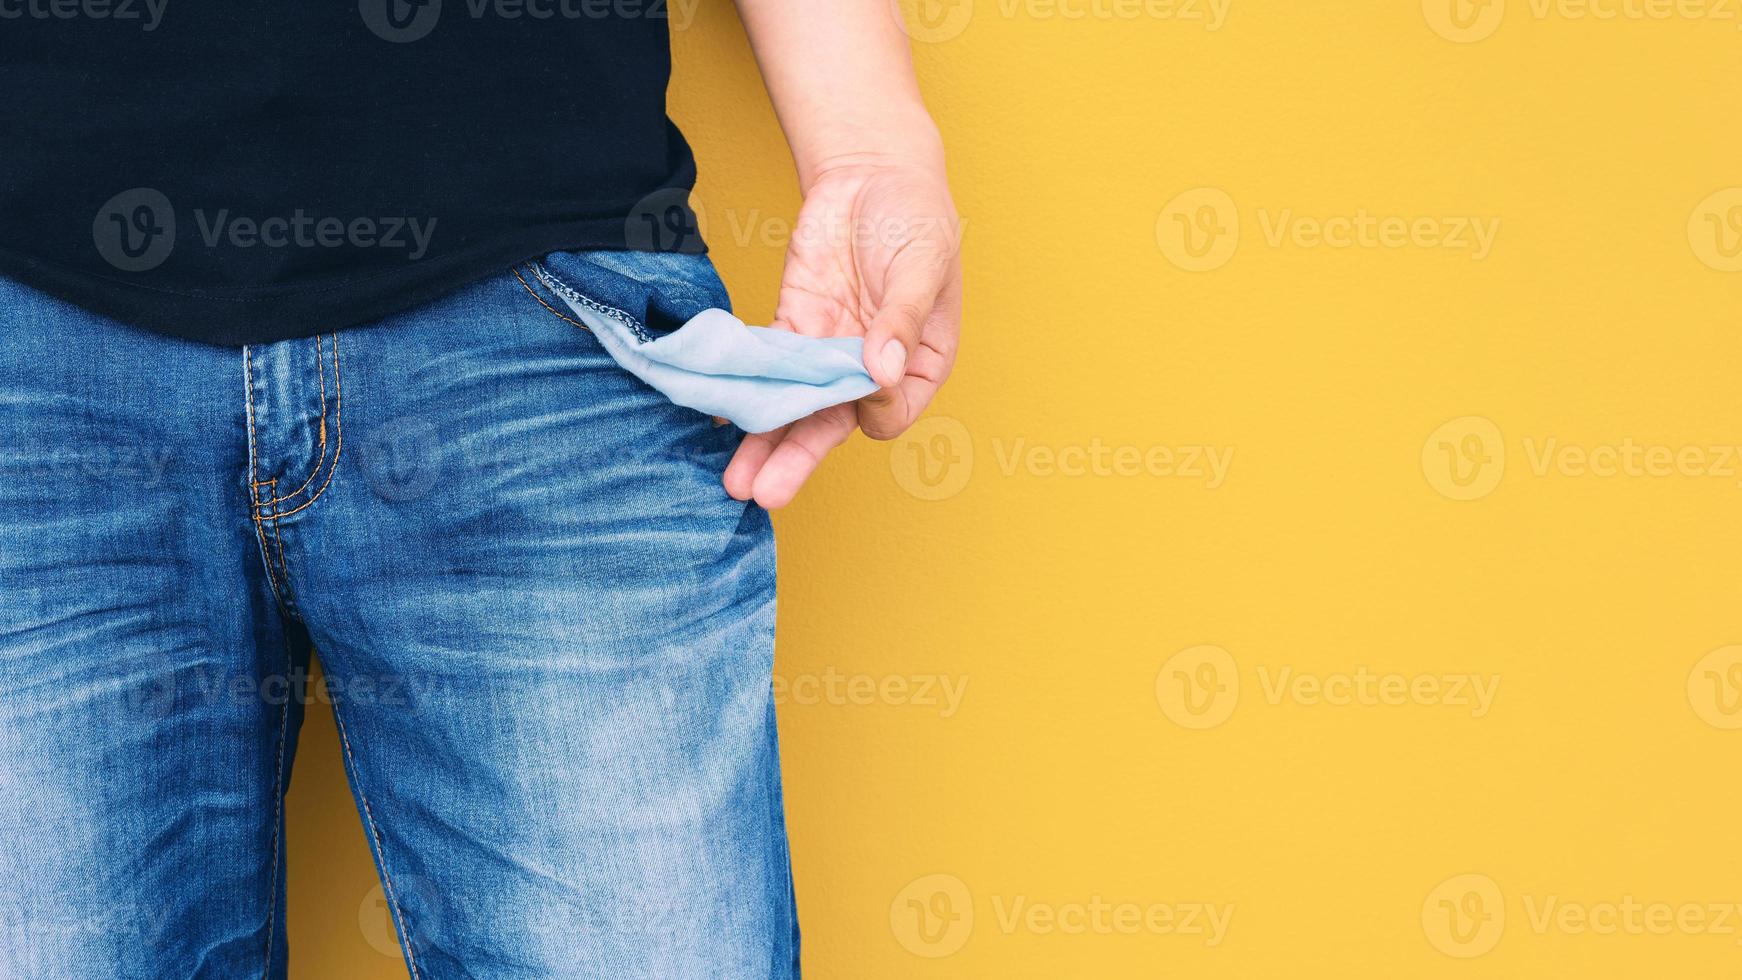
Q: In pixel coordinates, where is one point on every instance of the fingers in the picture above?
(890, 411)
(887, 412)
(915, 279)
(740, 477)
(771, 468)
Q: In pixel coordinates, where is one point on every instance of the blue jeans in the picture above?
(547, 634)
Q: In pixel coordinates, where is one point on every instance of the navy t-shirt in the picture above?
(241, 172)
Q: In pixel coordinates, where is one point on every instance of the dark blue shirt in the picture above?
(238, 171)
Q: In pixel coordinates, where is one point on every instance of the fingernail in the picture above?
(894, 360)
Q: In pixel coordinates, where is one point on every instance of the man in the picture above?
(295, 303)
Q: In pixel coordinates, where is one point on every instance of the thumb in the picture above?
(912, 291)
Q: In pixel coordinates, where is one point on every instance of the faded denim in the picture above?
(548, 632)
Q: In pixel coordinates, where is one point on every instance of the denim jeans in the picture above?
(547, 634)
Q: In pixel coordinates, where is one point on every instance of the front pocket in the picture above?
(539, 286)
(659, 291)
(561, 292)
(757, 377)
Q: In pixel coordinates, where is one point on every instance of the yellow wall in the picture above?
(1084, 573)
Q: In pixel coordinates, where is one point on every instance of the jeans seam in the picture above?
(542, 302)
(375, 839)
(557, 285)
(778, 830)
(289, 597)
(277, 826)
(254, 483)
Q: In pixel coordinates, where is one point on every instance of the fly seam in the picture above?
(320, 372)
(277, 818)
(338, 439)
(254, 473)
(278, 595)
(283, 566)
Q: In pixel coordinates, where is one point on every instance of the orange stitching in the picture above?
(547, 306)
(339, 439)
(321, 372)
(375, 836)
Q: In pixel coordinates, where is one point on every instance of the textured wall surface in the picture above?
(1324, 560)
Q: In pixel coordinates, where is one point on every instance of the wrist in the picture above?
(907, 142)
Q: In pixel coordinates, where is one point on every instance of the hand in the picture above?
(875, 254)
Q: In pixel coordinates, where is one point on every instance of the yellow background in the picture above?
(1074, 768)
